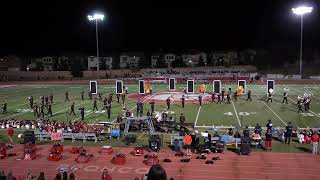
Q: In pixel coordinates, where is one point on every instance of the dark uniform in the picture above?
(299, 103)
(72, 109)
(82, 95)
(149, 113)
(269, 97)
(219, 98)
(123, 97)
(285, 97)
(200, 100)
(249, 95)
(152, 106)
(49, 109)
(31, 101)
(90, 96)
(288, 133)
(35, 110)
(4, 108)
(105, 101)
(228, 98)
(182, 101)
(100, 96)
(82, 112)
(42, 99)
(108, 107)
(51, 98)
(46, 100)
(118, 98)
(41, 110)
(212, 97)
(95, 104)
(168, 103)
(67, 96)
(235, 96)
(222, 95)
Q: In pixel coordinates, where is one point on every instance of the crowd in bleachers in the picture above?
(51, 126)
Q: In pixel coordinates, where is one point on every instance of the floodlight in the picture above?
(301, 10)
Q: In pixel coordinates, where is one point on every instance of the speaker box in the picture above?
(130, 138)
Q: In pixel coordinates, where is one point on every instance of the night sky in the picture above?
(54, 27)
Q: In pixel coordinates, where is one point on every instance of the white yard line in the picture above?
(270, 109)
(235, 111)
(66, 109)
(195, 123)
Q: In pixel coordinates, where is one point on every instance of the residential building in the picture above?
(227, 57)
(130, 60)
(92, 63)
(154, 60)
(193, 58)
(47, 63)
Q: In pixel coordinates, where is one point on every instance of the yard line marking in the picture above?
(86, 114)
(308, 110)
(234, 108)
(65, 109)
(271, 109)
(195, 123)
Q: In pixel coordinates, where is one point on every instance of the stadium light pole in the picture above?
(301, 11)
(97, 17)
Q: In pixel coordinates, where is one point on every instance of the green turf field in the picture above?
(237, 113)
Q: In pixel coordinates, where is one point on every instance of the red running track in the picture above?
(257, 166)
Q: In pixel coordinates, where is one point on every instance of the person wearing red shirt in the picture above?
(10, 133)
(105, 175)
(315, 142)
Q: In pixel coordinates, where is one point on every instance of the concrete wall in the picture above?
(35, 75)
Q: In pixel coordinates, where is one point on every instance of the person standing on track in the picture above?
(95, 107)
(315, 143)
(108, 107)
(67, 96)
(31, 101)
(72, 109)
(82, 112)
(10, 133)
(268, 142)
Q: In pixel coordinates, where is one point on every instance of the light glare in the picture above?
(301, 10)
(96, 17)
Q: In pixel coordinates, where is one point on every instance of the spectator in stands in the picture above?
(10, 176)
(10, 133)
(157, 172)
(315, 142)
(268, 143)
(258, 129)
(58, 177)
(41, 176)
(105, 175)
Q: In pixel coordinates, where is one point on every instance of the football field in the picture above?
(238, 113)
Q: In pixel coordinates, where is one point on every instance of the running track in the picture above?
(257, 166)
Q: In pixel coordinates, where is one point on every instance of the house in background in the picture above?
(154, 59)
(47, 63)
(92, 63)
(169, 58)
(224, 58)
(193, 58)
(130, 59)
